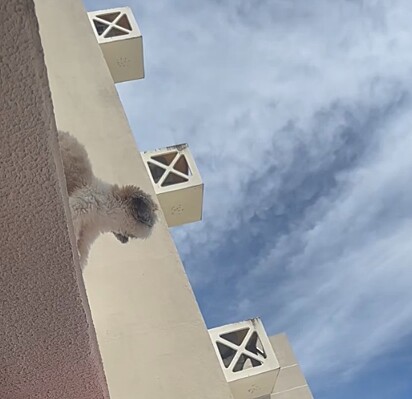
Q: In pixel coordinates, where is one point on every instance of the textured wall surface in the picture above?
(48, 347)
(152, 337)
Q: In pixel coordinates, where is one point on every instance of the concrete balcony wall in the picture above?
(152, 337)
(48, 347)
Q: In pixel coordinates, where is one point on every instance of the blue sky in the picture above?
(298, 114)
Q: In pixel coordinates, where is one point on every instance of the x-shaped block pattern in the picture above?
(177, 183)
(243, 349)
(169, 168)
(112, 24)
(172, 166)
(121, 42)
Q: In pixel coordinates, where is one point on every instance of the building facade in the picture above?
(129, 326)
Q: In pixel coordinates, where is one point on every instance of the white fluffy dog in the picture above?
(98, 207)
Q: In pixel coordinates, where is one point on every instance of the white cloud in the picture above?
(346, 296)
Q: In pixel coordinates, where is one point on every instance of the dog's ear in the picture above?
(143, 209)
(140, 204)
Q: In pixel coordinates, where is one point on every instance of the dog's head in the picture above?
(139, 214)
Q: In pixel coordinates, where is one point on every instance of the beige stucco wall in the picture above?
(48, 347)
(152, 337)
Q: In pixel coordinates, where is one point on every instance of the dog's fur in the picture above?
(98, 207)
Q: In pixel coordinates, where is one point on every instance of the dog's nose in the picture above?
(123, 239)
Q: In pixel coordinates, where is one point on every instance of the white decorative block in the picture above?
(177, 183)
(121, 42)
(247, 358)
